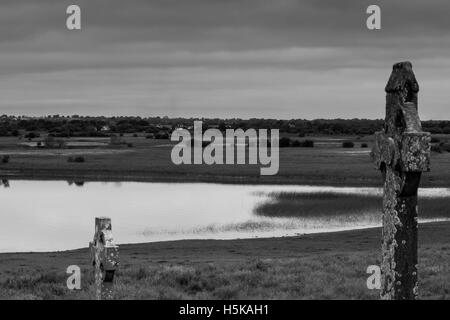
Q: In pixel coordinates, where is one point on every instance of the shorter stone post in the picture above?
(104, 257)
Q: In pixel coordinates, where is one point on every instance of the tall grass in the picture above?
(322, 276)
(323, 204)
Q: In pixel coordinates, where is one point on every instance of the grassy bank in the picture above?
(149, 160)
(320, 266)
(346, 206)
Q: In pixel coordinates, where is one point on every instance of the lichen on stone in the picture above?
(401, 151)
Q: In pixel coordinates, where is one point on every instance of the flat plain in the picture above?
(149, 160)
(318, 266)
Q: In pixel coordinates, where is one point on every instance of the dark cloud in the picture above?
(234, 37)
(306, 22)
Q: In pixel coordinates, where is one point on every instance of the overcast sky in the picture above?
(220, 58)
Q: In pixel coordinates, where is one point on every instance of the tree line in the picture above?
(78, 126)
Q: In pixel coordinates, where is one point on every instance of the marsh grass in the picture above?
(327, 204)
(324, 276)
(40, 285)
(321, 266)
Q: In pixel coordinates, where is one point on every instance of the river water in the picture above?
(59, 215)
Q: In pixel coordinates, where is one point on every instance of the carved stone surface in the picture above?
(402, 152)
(104, 257)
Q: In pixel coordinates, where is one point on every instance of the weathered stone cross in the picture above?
(104, 257)
(402, 153)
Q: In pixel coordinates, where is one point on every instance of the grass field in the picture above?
(149, 160)
(320, 266)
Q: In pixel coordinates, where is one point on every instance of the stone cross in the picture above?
(104, 257)
(402, 152)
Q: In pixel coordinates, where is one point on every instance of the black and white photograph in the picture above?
(224, 151)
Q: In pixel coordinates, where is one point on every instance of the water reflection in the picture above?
(78, 183)
(53, 216)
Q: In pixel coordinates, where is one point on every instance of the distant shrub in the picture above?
(307, 144)
(348, 144)
(78, 159)
(135, 135)
(129, 145)
(364, 145)
(32, 135)
(150, 136)
(445, 147)
(436, 148)
(5, 158)
(287, 142)
(296, 143)
(162, 135)
(78, 183)
(284, 142)
(435, 140)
